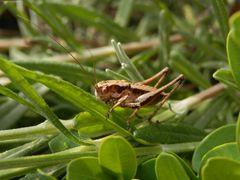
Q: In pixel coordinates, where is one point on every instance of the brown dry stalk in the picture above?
(206, 94)
(132, 47)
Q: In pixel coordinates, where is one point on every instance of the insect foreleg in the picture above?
(121, 100)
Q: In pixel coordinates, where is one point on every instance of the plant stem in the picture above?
(48, 159)
(206, 94)
(42, 129)
(183, 106)
(25, 149)
(180, 147)
(176, 148)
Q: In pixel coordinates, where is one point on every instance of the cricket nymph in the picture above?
(135, 95)
(132, 95)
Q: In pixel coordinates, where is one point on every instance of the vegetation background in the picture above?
(52, 54)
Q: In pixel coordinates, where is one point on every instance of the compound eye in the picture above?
(104, 89)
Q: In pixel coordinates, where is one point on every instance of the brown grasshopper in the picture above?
(136, 95)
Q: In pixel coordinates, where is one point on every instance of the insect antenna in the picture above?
(58, 43)
(95, 80)
(94, 74)
(86, 71)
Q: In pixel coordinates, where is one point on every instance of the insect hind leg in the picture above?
(162, 74)
(177, 82)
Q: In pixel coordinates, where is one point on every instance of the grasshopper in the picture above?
(136, 95)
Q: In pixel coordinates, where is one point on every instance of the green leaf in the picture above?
(233, 47)
(219, 136)
(86, 168)
(117, 158)
(91, 126)
(37, 101)
(146, 170)
(238, 132)
(187, 168)
(227, 150)
(225, 76)
(221, 168)
(235, 24)
(220, 9)
(168, 167)
(168, 134)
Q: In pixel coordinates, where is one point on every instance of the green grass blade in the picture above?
(49, 16)
(25, 149)
(220, 9)
(67, 71)
(183, 29)
(126, 63)
(34, 97)
(123, 12)
(13, 113)
(9, 93)
(12, 116)
(180, 63)
(90, 18)
(211, 112)
(164, 29)
(115, 75)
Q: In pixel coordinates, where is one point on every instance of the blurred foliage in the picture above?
(52, 54)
